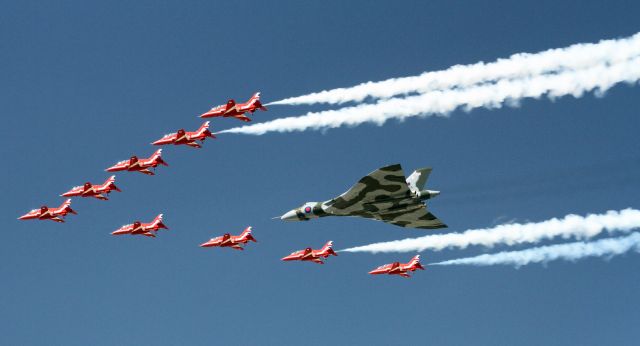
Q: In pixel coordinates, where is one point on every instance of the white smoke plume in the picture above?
(517, 66)
(570, 226)
(570, 252)
(575, 83)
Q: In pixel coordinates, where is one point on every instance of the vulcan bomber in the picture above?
(386, 195)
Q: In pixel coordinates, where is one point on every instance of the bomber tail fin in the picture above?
(418, 179)
(417, 182)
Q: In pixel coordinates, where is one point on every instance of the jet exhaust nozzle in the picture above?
(428, 194)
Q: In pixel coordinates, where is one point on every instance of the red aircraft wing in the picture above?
(242, 117)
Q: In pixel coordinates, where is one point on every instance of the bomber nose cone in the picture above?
(434, 193)
(289, 216)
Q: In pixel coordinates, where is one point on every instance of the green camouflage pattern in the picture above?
(384, 195)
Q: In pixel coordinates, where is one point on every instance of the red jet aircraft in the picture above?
(188, 138)
(96, 191)
(397, 268)
(145, 229)
(309, 254)
(236, 110)
(232, 241)
(53, 214)
(142, 166)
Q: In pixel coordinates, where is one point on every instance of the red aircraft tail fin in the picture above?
(327, 249)
(157, 157)
(203, 127)
(246, 234)
(415, 262)
(66, 205)
(255, 97)
(158, 222)
(255, 102)
(204, 130)
(112, 182)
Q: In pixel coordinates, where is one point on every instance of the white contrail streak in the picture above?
(517, 66)
(599, 78)
(571, 252)
(571, 226)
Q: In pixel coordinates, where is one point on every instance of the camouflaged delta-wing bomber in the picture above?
(385, 194)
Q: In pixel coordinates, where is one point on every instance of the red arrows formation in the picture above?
(194, 139)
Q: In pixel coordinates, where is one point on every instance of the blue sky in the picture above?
(84, 85)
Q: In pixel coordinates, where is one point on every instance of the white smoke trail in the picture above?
(570, 252)
(580, 227)
(517, 66)
(599, 78)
